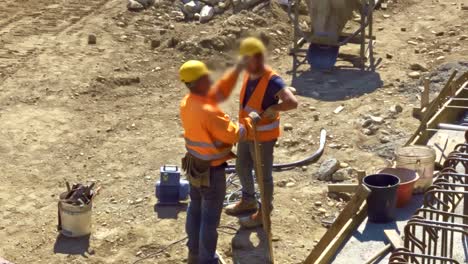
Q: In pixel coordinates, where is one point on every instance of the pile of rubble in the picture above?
(204, 10)
(201, 10)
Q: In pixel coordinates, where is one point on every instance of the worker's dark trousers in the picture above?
(245, 165)
(203, 216)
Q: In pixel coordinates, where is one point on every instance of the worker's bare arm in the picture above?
(287, 102)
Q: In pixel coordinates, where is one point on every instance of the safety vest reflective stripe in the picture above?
(268, 127)
(219, 155)
(192, 143)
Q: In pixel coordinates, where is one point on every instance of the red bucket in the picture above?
(407, 180)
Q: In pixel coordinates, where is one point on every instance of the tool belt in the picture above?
(197, 170)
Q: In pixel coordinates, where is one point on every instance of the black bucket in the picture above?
(381, 203)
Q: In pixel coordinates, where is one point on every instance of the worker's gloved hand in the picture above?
(255, 117)
(270, 113)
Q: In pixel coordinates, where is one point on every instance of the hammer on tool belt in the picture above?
(259, 172)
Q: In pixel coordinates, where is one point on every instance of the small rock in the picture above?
(322, 210)
(403, 29)
(344, 165)
(366, 123)
(304, 168)
(318, 203)
(290, 184)
(396, 109)
(338, 109)
(386, 15)
(376, 119)
(92, 39)
(368, 132)
(312, 108)
(440, 58)
(206, 13)
(316, 117)
(389, 56)
(412, 42)
(341, 175)
(134, 5)
(414, 75)
(281, 183)
(155, 43)
(192, 7)
(463, 37)
(384, 139)
(452, 33)
(439, 33)
(288, 127)
(418, 67)
(327, 168)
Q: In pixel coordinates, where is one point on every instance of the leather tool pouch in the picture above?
(197, 170)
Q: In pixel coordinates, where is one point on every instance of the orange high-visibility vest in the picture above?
(198, 140)
(209, 133)
(267, 129)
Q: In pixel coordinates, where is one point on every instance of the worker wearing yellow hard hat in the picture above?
(209, 135)
(263, 92)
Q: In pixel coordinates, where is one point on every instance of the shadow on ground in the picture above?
(72, 246)
(169, 211)
(370, 237)
(338, 84)
(249, 246)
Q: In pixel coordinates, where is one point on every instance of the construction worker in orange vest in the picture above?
(263, 92)
(209, 135)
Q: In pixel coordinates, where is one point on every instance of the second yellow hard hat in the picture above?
(251, 46)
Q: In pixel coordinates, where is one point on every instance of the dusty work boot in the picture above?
(241, 207)
(252, 221)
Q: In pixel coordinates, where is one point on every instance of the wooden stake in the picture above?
(341, 223)
(425, 94)
(259, 172)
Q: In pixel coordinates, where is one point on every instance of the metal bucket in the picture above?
(418, 158)
(74, 220)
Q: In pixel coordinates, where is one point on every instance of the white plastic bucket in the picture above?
(75, 220)
(418, 158)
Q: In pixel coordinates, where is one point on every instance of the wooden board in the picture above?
(352, 224)
(394, 238)
(339, 188)
(351, 209)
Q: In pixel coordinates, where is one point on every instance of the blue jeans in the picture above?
(245, 165)
(203, 216)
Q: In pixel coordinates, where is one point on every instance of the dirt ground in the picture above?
(109, 113)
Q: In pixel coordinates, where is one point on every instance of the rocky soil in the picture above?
(108, 112)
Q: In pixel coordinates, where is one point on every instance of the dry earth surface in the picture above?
(109, 113)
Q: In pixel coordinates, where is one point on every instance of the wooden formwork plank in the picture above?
(350, 211)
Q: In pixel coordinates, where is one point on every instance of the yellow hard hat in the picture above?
(192, 70)
(251, 46)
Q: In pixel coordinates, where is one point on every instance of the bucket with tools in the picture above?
(75, 209)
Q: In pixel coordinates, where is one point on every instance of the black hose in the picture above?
(287, 166)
